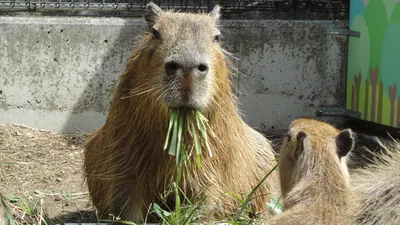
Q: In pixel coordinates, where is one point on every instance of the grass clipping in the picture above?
(186, 121)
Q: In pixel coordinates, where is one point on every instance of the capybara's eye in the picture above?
(156, 34)
(216, 38)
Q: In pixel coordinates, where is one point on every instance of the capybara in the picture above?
(179, 63)
(314, 176)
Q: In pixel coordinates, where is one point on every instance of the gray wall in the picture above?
(56, 73)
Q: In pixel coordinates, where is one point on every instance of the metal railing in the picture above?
(183, 5)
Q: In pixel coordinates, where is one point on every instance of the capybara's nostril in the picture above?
(203, 68)
(171, 68)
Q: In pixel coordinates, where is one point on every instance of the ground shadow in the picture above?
(76, 217)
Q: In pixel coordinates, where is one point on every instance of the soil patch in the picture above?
(40, 165)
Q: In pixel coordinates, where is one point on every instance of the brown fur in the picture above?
(378, 186)
(314, 181)
(125, 165)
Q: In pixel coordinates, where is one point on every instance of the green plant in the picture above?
(19, 211)
(185, 212)
(246, 202)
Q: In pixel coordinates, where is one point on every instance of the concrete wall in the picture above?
(55, 72)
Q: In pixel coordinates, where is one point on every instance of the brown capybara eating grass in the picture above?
(178, 64)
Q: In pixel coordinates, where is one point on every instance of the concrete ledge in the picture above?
(56, 73)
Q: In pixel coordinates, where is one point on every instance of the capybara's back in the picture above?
(178, 64)
(378, 186)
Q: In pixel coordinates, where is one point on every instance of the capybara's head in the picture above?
(185, 52)
(311, 146)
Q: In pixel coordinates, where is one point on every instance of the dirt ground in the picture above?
(41, 165)
(37, 165)
(45, 166)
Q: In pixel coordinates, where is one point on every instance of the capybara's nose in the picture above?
(199, 69)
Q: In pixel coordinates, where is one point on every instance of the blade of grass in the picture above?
(27, 208)
(246, 202)
(192, 212)
(7, 211)
(158, 210)
(9, 163)
(184, 196)
(205, 120)
(171, 121)
(202, 117)
(182, 160)
(196, 145)
(238, 198)
(197, 117)
(172, 147)
(177, 203)
(275, 205)
(178, 147)
(204, 133)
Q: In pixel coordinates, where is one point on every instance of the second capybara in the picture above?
(314, 176)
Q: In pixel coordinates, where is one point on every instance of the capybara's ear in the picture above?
(215, 13)
(301, 135)
(344, 142)
(152, 12)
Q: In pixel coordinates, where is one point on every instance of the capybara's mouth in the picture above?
(185, 109)
(184, 99)
(184, 105)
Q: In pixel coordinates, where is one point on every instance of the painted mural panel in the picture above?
(373, 75)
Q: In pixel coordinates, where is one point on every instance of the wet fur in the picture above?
(126, 168)
(378, 186)
(314, 184)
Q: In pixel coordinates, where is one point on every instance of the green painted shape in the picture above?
(370, 101)
(362, 101)
(357, 7)
(363, 95)
(386, 110)
(382, 19)
(395, 17)
(348, 92)
(358, 59)
(390, 66)
(389, 5)
(377, 22)
(359, 50)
